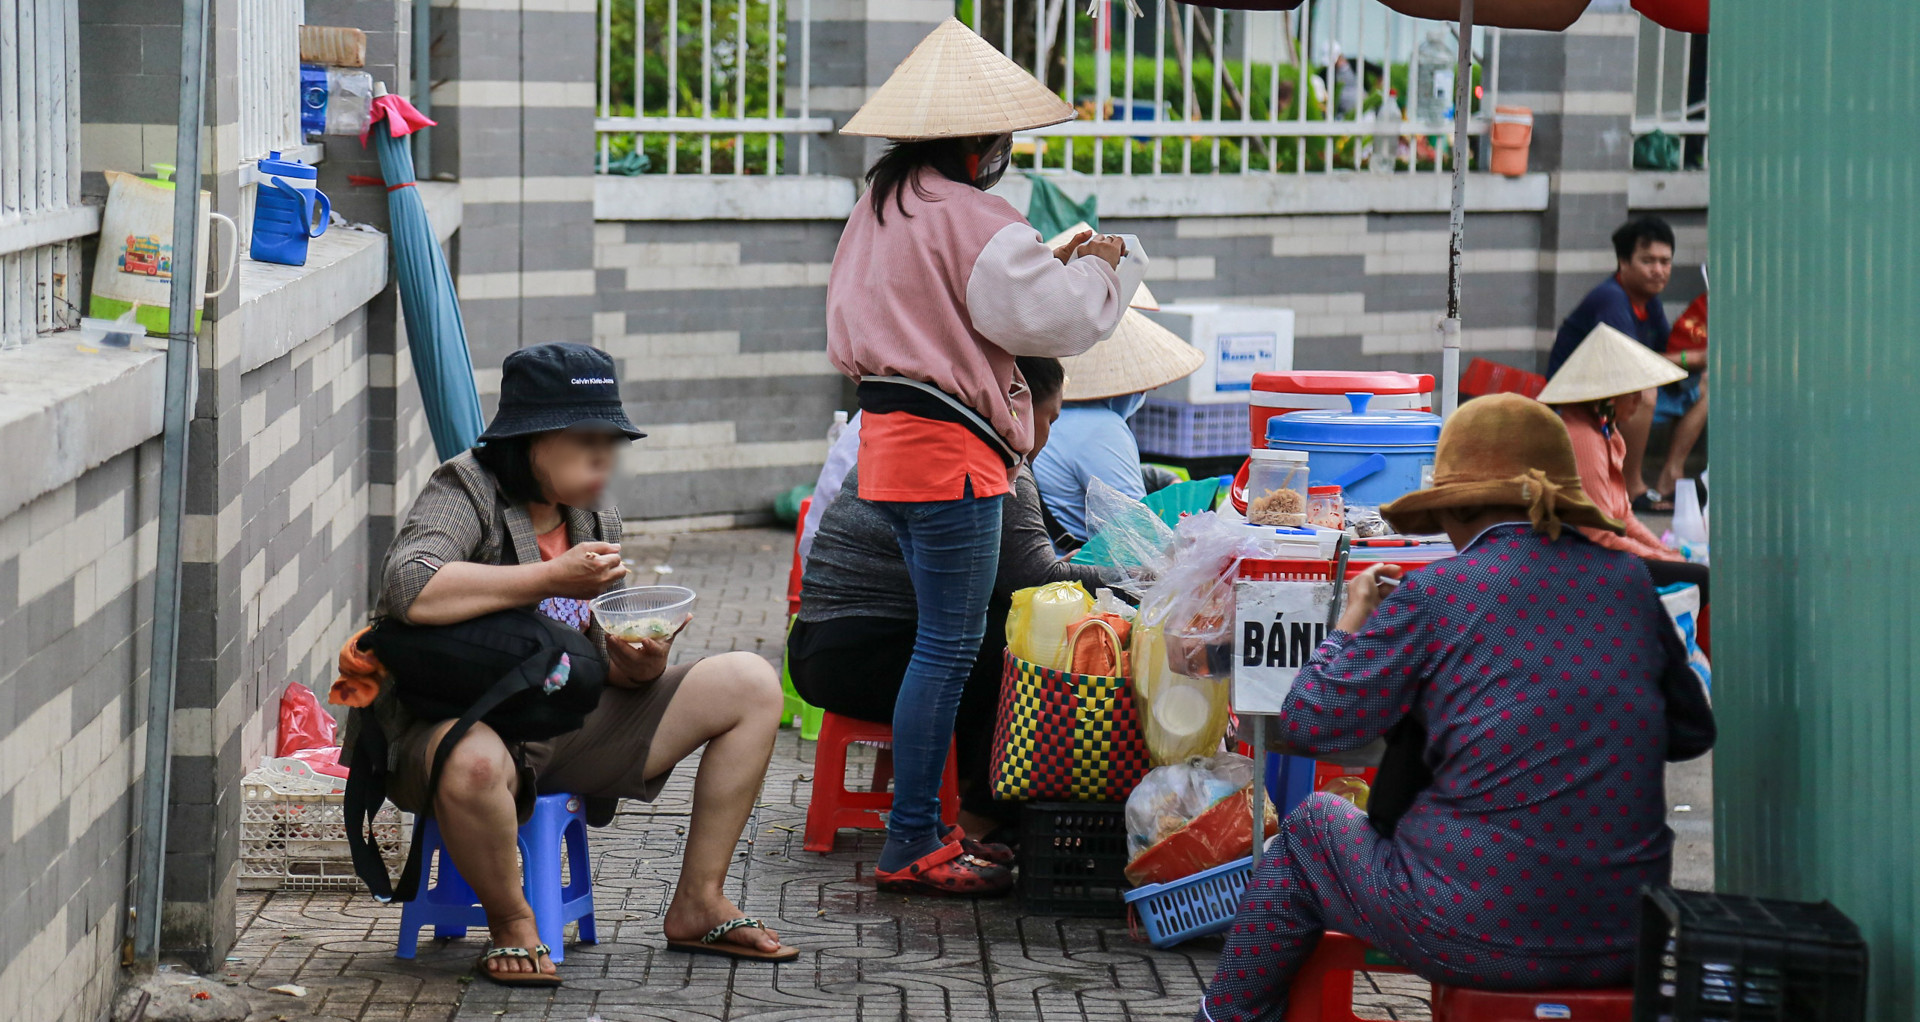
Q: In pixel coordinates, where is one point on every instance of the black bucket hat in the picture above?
(558, 386)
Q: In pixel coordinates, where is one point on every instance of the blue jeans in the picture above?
(952, 550)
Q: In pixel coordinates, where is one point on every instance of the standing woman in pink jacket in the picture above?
(936, 288)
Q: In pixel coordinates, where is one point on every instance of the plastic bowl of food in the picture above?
(644, 612)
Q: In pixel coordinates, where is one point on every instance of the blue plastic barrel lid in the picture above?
(1358, 427)
(278, 167)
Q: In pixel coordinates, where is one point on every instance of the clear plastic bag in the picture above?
(1191, 598)
(1123, 533)
(1169, 797)
(1181, 716)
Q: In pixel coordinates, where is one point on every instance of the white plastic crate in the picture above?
(293, 835)
(1175, 429)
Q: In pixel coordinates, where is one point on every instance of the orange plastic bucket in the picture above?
(1512, 135)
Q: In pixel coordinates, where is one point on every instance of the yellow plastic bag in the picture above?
(1181, 716)
(1037, 625)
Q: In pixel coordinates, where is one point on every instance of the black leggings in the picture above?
(1666, 573)
(863, 680)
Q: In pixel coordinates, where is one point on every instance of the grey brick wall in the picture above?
(719, 331)
(76, 597)
(278, 498)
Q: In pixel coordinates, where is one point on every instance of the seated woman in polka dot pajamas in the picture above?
(1552, 689)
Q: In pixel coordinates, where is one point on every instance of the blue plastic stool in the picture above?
(1289, 781)
(450, 906)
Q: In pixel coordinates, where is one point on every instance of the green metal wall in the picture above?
(1814, 254)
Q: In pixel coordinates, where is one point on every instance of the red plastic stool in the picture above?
(1459, 1004)
(794, 573)
(833, 806)
(1323, 989)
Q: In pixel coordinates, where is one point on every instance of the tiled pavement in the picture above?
(865, 956)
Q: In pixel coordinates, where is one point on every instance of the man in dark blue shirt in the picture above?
(1629, 301)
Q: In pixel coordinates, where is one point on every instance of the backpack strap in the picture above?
(360, 812)
(366, 793)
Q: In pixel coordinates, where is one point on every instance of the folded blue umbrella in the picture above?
(436, 335)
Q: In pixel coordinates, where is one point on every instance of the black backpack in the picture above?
(492, 669)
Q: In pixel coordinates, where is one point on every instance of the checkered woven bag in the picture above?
(1066, 737)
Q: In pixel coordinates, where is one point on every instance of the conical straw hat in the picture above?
(1142, 298)
(1608, 364)
(1139, 355)
(955, 84)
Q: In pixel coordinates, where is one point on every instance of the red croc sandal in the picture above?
(994, 852)
(950, 872)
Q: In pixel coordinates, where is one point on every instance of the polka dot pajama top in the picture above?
(1553, 690)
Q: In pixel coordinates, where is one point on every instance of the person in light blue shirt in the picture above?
(1091, 440)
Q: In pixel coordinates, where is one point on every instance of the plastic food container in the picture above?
(1324, 390)
(1277, 488)
(1374, 456)
(643, 612)
(1326, 507)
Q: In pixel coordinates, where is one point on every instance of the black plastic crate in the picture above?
(1072, 858)
(1708, 957)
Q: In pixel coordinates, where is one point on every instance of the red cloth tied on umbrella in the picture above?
(401, 117)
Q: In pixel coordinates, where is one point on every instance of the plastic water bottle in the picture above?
(289, 210)
(1386, 134)
(839, 426)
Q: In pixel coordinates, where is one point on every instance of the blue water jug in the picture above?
(289, 209)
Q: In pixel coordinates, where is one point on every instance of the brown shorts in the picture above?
(607, 757)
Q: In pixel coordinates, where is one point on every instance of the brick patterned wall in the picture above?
(515, 101)
(76, 597)
(719, 331)
(276, 545)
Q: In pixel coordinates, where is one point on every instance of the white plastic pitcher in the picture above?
(135, 264)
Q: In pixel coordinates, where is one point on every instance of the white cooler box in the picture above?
(1237, 340)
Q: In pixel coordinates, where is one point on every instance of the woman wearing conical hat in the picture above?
(1598, 387)
(935, 289)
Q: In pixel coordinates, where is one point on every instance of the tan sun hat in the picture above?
(1142, 298)
(1608, 364)
(1138, 356)
(1503, 450)
(953, 85)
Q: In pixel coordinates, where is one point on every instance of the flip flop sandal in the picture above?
(711, 944)
(1652, 503)
(518, 979)
(998, 854)
(950, 872)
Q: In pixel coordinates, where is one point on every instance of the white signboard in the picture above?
(1276, 627)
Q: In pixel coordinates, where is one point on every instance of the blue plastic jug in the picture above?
(1376, 456)
(288, 210)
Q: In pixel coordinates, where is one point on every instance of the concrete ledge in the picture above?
(445, 209)
(1172, 195)
(721, 197)
(1656, 189)
(64, 411)
(283, 306)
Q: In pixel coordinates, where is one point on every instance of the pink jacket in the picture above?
(949, 295)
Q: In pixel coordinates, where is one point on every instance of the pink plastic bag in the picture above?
(303, 723)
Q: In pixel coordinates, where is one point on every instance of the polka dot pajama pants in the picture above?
(1329, 870)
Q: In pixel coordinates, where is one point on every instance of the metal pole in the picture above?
(423, 86)
(1457, 216)
(187, 271)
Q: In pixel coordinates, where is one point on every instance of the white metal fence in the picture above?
(698, 86)
(40, 212)
(269, 75)
(1670, 88)
(1337, 85)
